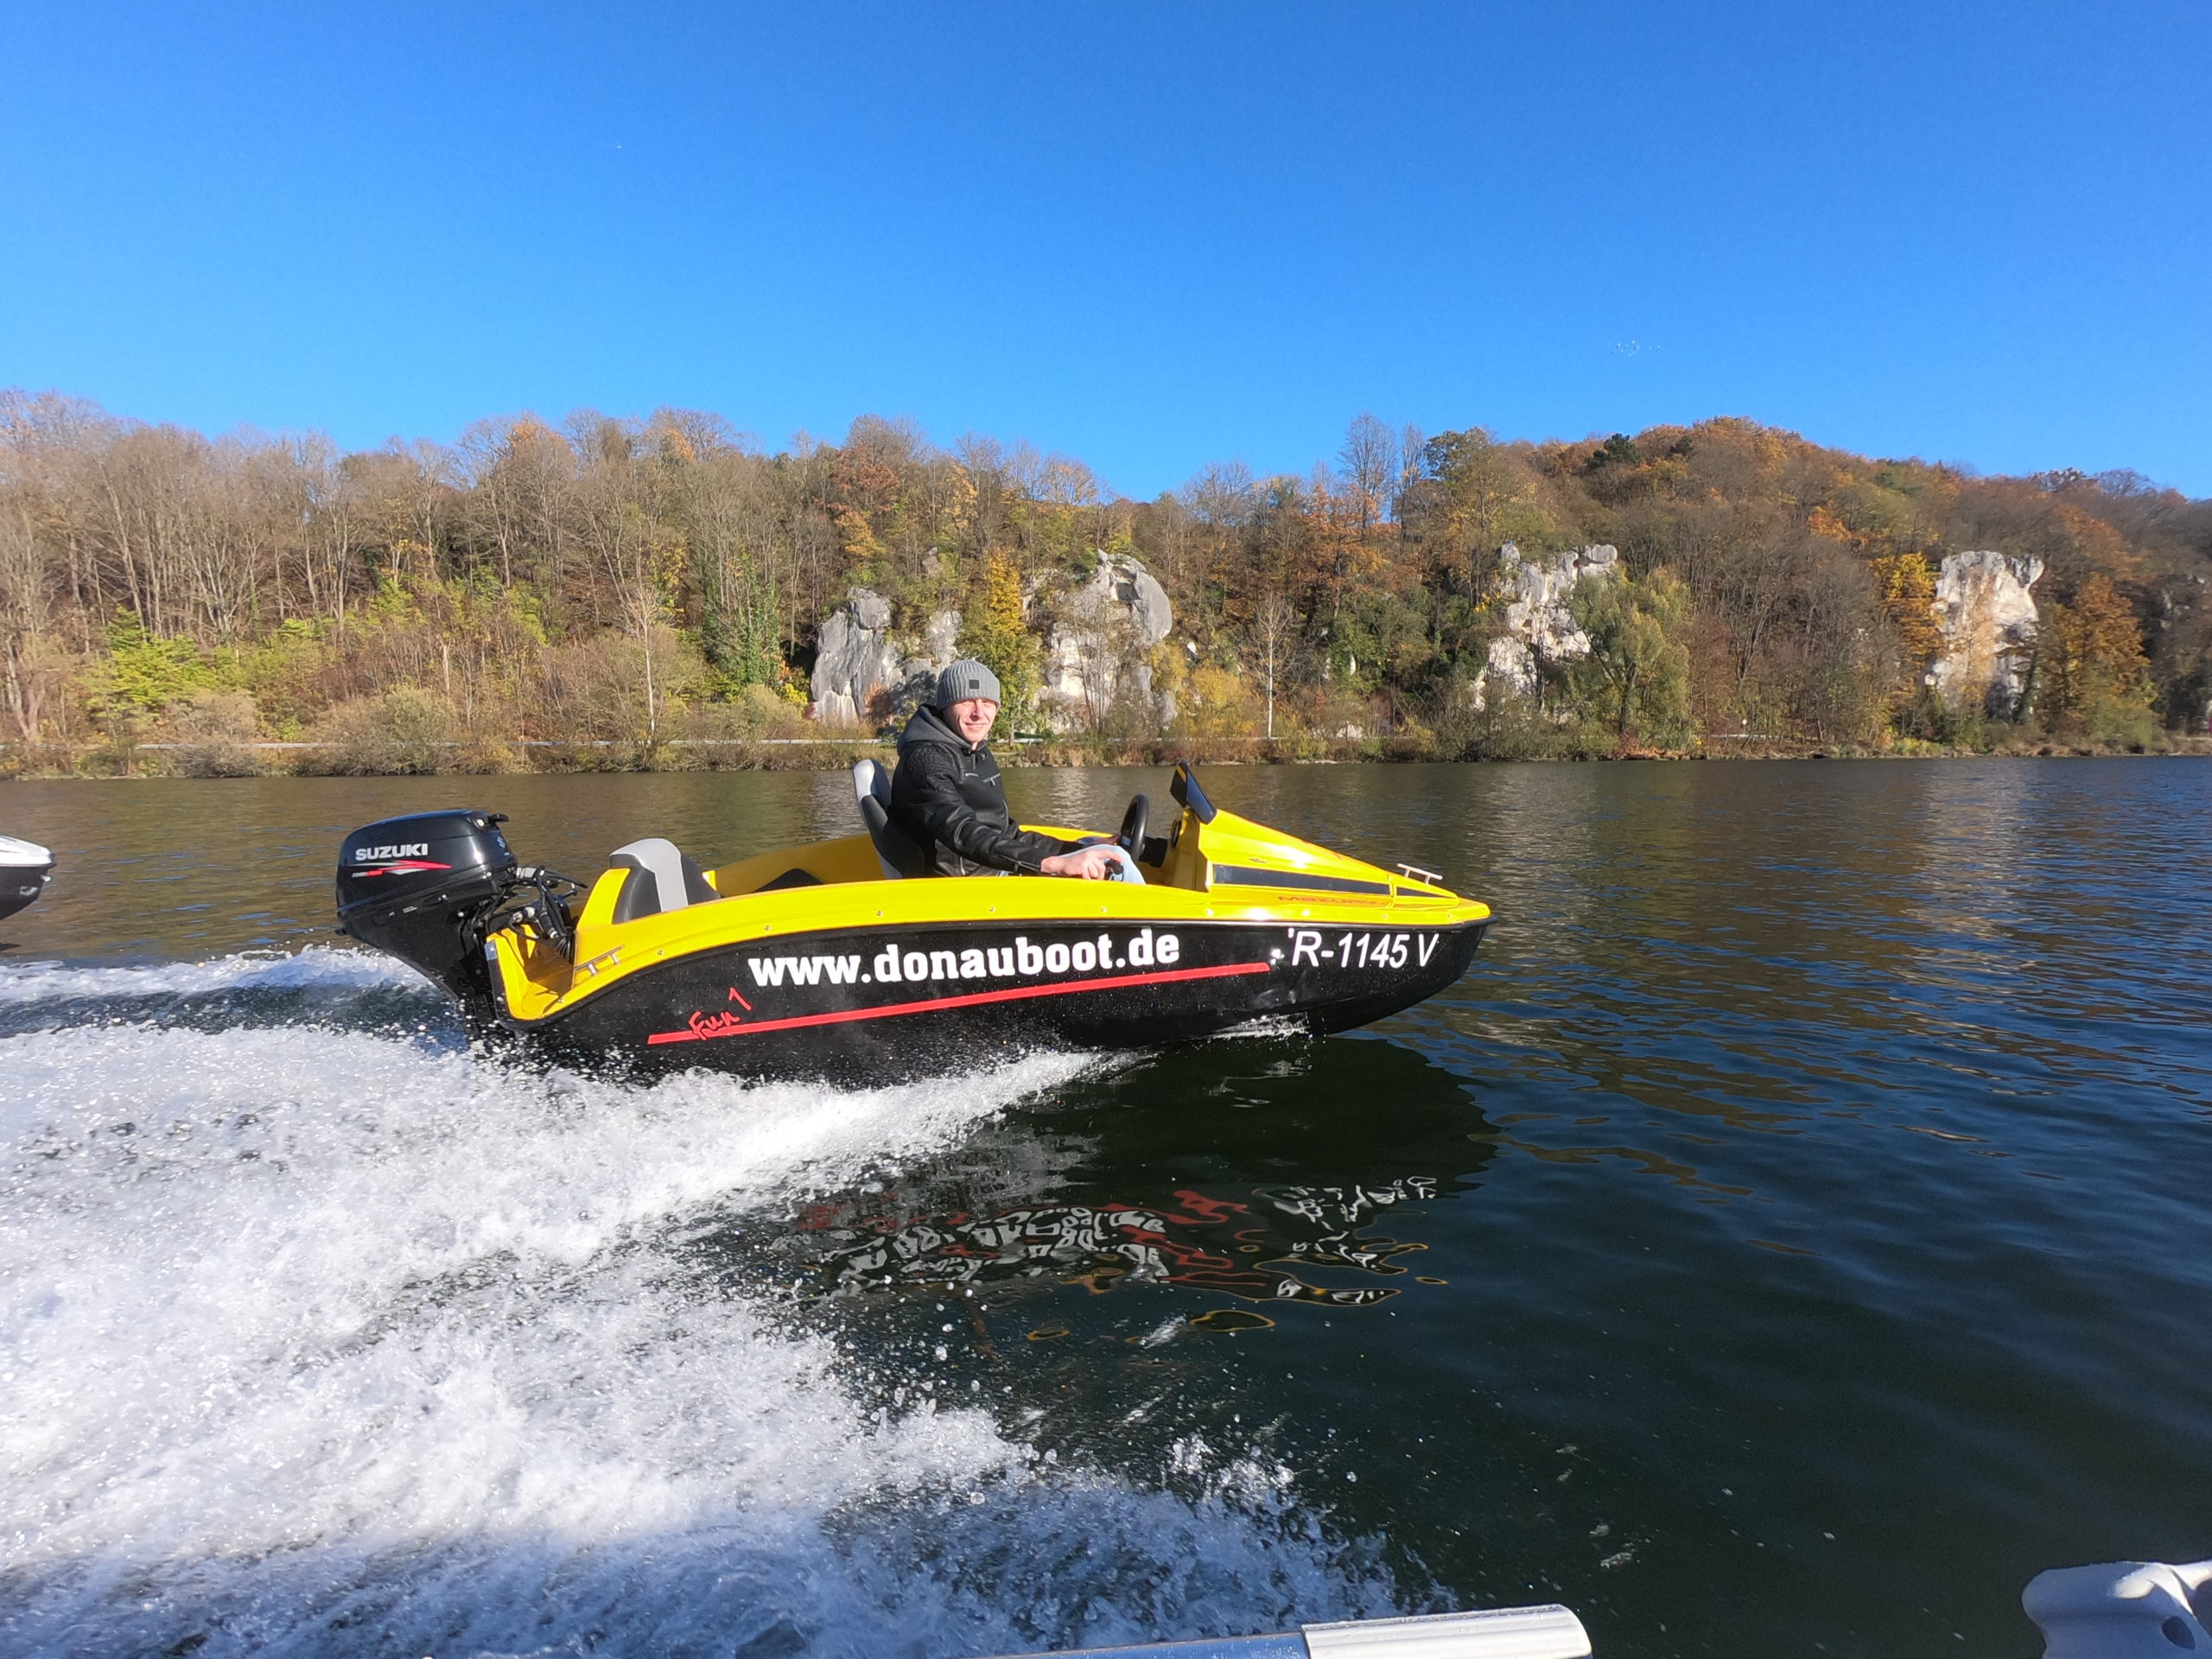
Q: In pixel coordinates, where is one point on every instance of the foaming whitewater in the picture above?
(318, 966)
(322, 1335)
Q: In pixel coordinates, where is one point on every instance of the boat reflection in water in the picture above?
(1251, 1244)
(1284, 1173)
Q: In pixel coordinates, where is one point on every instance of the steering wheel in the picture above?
(1134, 823)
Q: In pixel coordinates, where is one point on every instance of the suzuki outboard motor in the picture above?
(418, 887)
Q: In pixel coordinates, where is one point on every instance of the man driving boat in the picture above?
(947, 793)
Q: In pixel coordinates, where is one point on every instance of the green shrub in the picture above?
(399, 733)
(213, 731)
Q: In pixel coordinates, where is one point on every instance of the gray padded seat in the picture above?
(661, 878)
(894, 849)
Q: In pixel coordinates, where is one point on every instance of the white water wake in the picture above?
(325, 1342)
(320, 967)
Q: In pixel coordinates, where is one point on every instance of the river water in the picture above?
(1792, 1237)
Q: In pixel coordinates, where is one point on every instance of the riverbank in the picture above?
(483, 759)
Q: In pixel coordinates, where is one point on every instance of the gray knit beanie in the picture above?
(966, 678)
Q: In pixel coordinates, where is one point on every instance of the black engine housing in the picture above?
(410, 886)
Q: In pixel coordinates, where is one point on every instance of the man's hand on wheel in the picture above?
(1090, 863)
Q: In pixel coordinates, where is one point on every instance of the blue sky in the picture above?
(1149, 236)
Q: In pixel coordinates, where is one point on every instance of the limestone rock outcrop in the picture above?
(1985, 606)
(861, 673)
(1539, 627)
(1094, 654)
(940, 649)
(941, 639)
(854, 658)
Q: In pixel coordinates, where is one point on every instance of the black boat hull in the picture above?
(868, 1004)
(18, 888)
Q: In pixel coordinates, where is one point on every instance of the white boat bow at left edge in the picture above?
(25, 868)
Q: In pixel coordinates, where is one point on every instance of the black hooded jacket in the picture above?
(946, 794)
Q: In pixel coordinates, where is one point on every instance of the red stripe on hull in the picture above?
(1016, 994)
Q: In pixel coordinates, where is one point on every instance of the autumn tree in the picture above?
(1468, 496)
(1636, 675)
(723, 500)
(2091, 671)
(1223, 501)
(994, 633)
(1274, 629)
(1905, 585)
(638, 559)
(1908, 590)
(1371, 466)
(1481, 496)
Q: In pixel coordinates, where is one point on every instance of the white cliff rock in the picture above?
(1539, 627)
(1987, 611)
(1092, 656)
(860, 673)
(917, 674)
(855, 659)
(941, 639)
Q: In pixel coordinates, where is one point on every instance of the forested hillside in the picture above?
(641, 583)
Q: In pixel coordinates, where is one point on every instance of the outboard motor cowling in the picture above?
(412, 886)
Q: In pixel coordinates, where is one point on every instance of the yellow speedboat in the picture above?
(837, 960)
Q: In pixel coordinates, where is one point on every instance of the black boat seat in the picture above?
(895, 850)
(662, 878)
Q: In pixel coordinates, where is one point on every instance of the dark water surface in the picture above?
(1790, 1237)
